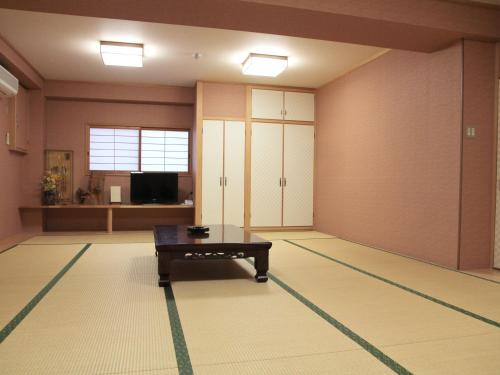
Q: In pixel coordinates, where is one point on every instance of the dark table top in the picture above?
(171, 237)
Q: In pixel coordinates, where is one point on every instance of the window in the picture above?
(136, 149)
(164, 151)
(114, 149)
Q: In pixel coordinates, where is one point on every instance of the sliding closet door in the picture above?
(234, 172)
(298, 170)
(266, 174)
(212, 172)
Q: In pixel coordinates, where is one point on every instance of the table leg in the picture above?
(109, 224)
(261, 266)
(163, 269)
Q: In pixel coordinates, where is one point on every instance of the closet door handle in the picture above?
(220, 181)
(284, 181)
(280, 181)
(225, 181)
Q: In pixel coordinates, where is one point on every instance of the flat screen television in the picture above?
(153, 187)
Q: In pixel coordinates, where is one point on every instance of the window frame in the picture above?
(140, 128)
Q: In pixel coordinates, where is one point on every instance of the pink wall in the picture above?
(388, 154)
(10, 165)
(224, 100)
(479, 111)
(66, 127)
(19, 171)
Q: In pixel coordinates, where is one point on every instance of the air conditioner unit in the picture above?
(8, 83)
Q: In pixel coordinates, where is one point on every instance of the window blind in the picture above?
(114, 149)
(164, 151)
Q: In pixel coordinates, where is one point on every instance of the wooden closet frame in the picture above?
(248, 137)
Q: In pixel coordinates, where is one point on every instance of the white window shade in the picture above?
(164, 151)
(113, 149)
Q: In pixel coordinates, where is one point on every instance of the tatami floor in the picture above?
(90, 304)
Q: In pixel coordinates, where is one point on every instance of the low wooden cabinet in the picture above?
(109, 209)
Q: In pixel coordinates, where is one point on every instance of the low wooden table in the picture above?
(174, 242)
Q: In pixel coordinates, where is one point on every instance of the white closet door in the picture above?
(298, 175)
(299, 106)
(212, 172)
(234, 172)
(266, 170)
(267, 104)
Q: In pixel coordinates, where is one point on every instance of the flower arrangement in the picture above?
(51, 181)
(50, 185)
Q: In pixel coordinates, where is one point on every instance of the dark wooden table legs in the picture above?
(164, 269)
(261, 266)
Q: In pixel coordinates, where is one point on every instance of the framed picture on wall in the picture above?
(61, 163)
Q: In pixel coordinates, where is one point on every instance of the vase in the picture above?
(49, 198)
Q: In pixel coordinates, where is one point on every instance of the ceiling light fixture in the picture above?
(122, 54)
(257, 64)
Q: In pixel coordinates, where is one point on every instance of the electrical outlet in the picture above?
(470, 132)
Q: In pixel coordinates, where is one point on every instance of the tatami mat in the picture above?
(239, 320)
(473, 294)
(382, 314)
(353, 362)
(24, 271)
(106, 315)
(489, 274)
(91, 237)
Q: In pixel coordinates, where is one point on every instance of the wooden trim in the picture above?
(460, 190)
(283, 169)
(279, 229)
(107, 206)
(223, 185)
(495, 184)
(248, 159)
(109, 220)
(147, 127)
(286, 122)
(199, 149)
(282, 88)
(222, 118)
(314, 176)
(264, 86)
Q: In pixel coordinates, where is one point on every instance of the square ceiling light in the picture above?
(122, 54)
(257, 64)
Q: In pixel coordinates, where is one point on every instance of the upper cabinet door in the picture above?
(267, 104)
(299, 106)
(212, 172)
(234, 172)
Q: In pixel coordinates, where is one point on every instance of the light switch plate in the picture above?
(470, 132)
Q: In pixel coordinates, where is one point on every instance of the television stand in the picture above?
(108, 208)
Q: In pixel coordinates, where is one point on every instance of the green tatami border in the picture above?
(395, 254)
(181, 351)
(400, 286)
(370, 348)
(7, 330)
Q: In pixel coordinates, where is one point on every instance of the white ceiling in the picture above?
(63, 47)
